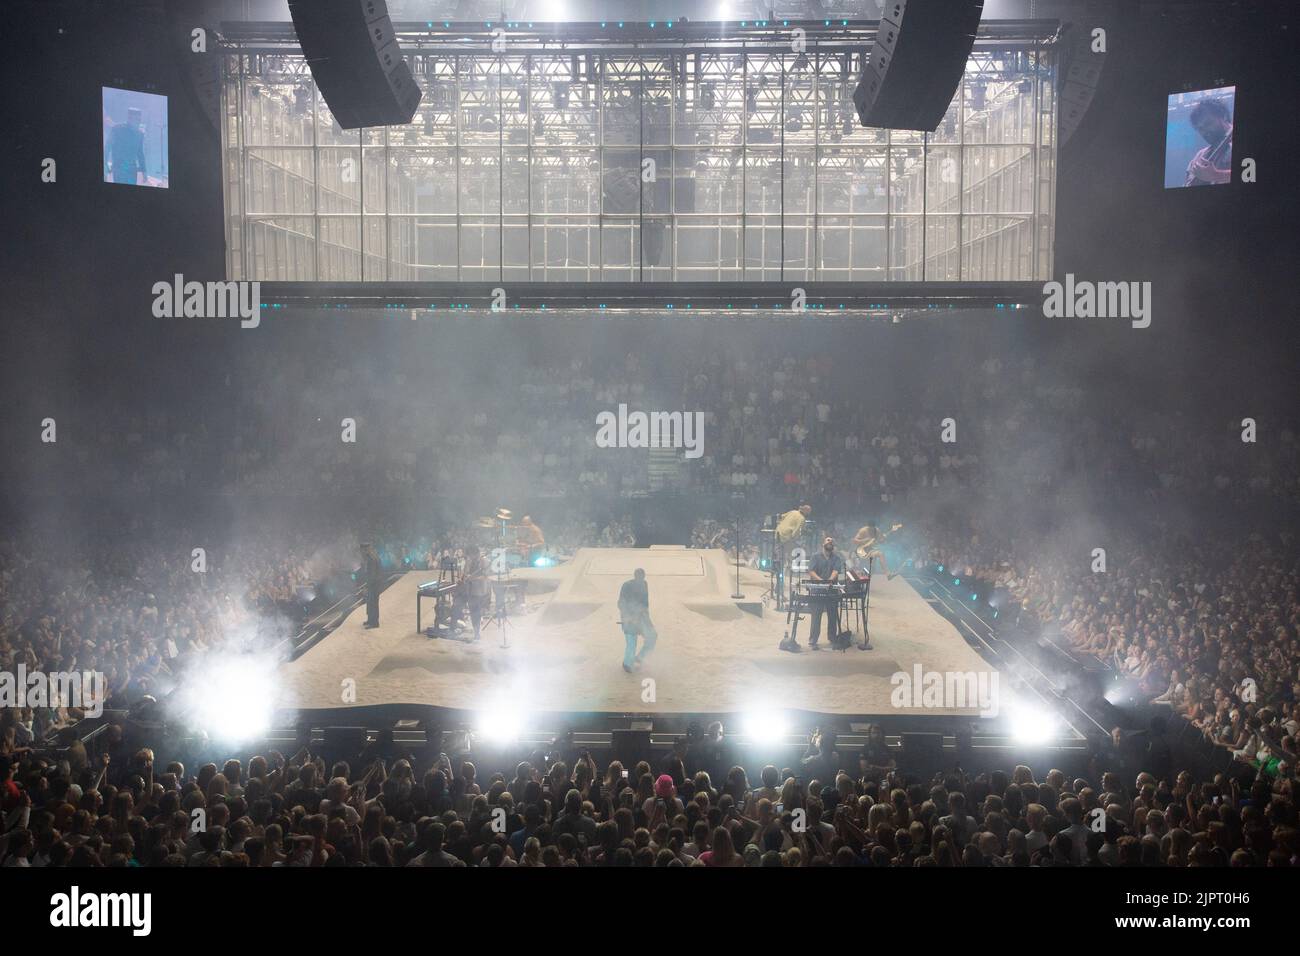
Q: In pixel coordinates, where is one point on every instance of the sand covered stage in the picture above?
(565, 652)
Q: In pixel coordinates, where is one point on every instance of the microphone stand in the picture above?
(737, 595)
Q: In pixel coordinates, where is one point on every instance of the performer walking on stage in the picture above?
(373, 576)
(634, 607)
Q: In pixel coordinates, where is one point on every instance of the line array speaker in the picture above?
(916, 63)
(354, 58)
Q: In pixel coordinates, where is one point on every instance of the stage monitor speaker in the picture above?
(631, 746)
(916, 63)
(343, 740)
(922, 750)
(352, 51)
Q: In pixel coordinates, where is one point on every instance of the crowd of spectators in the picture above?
(143, 604)
(1201, 620)
(516, 418)
(1206, 624)
(386, 809)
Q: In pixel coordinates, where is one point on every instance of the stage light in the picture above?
(1122, 691)
(1031, 724)
(765, 726)
(500, 724)
(230, 698)
(542, 561)
(554, 11)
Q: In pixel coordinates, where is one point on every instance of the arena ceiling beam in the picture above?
(881, 300)
(451, 36)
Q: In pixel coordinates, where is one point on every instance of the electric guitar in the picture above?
(1212, 157)
(866, 547)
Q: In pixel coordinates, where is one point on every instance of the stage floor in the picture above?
(565, 651)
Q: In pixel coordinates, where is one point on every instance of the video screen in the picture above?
(1198, 138)
(135, 138)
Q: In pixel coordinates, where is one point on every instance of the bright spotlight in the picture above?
(231, 698)
(1031, 725)
(553, 11)
(765, 726)
(500, 724)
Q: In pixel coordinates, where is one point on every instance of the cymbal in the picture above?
(504, 514)
(485, 522)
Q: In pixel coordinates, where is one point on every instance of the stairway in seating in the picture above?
(664, 467)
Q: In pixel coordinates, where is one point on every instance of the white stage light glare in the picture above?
(1031, 724)
(765, 726)
(231, 697)
(499, 724)
(553, 11)
(1115, 694)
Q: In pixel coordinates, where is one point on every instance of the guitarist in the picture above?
(866, 544)
(1214, 122)
(473, 590)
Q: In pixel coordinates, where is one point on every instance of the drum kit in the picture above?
(510, 543)
(506, 545)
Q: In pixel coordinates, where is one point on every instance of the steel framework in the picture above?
(639, 153)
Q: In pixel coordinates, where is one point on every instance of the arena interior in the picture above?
(561, 433)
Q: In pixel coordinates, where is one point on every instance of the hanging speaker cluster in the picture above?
(916, 63)
(352, 50)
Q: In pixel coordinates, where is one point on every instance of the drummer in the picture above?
(532, 543)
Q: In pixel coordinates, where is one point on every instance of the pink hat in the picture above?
(664, 786)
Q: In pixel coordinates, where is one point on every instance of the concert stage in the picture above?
(715, 654)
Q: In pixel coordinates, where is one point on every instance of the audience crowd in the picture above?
(387, 809)
(1201, 619)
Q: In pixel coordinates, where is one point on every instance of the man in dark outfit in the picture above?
(827, 567)
(634, 606)
(373, 576)
(126, 150)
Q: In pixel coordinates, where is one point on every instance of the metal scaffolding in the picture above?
(571, 157)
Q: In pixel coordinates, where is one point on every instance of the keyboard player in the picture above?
(826, 568)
